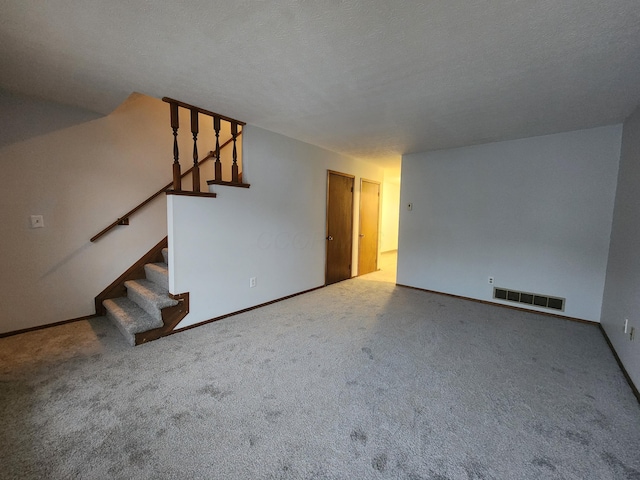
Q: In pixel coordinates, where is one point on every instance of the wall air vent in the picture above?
(535, 299)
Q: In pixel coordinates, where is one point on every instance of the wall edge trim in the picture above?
(47, 325)
(244, 310)
(511, 307)
(634, 389)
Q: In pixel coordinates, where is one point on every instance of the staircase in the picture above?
(141, 309)
(139, 302)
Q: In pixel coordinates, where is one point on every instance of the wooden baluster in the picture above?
(177, 182)
(234, 167)
(218, 163)
(195, 174)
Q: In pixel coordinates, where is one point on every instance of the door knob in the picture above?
(361, 235)
(329, 237)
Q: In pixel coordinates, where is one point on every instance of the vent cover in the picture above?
(545, 301)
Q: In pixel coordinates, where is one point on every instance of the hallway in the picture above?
(386, 268)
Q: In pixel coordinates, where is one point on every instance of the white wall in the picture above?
(23, 117)
(274, 231)
(622, 287)
(81, 173)
(534, 213)
(390, 215)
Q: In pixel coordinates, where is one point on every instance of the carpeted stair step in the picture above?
(165, 255)
(149, 296)
(129, 317)
(158, 273)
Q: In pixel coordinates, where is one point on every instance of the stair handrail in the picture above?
(202, 110)
(124, 219)
(174, 106)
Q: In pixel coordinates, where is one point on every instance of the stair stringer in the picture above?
(171, 316)
(135, 272)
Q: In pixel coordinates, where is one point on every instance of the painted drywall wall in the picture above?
(274, 231)
(390, 215)
(80, 175)
(534, 213)
(621, 299)
(23, 117)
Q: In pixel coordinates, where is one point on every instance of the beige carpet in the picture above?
(387, 264)
(359, 380)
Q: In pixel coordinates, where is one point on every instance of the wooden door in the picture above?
(368, 236)
(339, 239)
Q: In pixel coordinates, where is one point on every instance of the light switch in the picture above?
(409, 206)
(37, 221)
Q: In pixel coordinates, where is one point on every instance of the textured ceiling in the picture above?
(368, 78)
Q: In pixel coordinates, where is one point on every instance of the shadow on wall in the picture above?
(80, 176)
(36, 117)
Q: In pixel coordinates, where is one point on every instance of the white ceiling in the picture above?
(368, 78)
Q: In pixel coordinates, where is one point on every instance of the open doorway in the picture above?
(375, 228)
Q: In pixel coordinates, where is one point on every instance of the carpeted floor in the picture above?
(358, 380)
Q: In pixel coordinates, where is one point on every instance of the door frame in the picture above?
(326, 226)
(362, 180)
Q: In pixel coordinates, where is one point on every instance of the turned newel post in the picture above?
(234, 167)
(196, 168)
(218, 164)
(177, 183)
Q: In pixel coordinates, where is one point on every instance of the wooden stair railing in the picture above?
(236, 179)
(176, 184)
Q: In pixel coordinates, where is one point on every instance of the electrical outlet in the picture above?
(252, 282)
(626, 325)
(490, 280)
